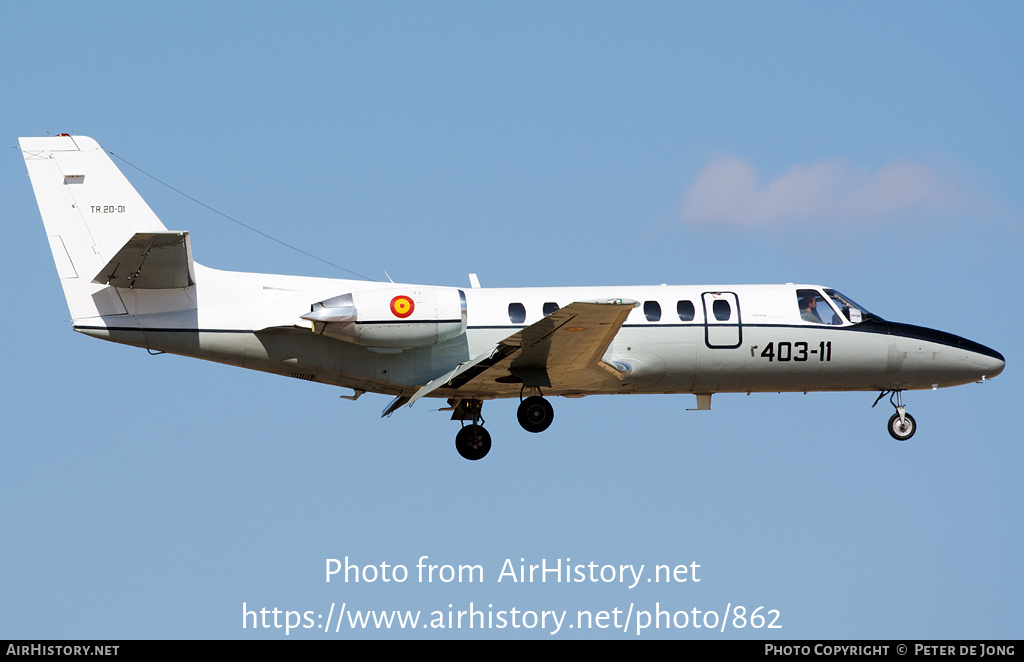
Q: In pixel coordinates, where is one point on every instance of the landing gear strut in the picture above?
(902, 425)
(472, 442)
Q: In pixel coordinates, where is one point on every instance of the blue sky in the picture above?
(870, 147)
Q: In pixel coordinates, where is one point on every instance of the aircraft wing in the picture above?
(561, 351)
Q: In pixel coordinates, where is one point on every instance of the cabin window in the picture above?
(652, 311)
(516, 313)
(814, 308)
(722, 310)
(550, 307)
(685, 311)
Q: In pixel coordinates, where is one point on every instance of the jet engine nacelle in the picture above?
(395, 318)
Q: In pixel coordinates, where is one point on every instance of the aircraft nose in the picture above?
(985, 361)
(991, 361)
(954, 359)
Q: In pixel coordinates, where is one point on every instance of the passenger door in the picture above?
(722, 329)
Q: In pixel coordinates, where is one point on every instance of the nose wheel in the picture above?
(904, 429)
(902, 425)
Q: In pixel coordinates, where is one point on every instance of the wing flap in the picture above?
(151, 261)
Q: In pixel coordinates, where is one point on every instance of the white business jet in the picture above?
(129, 280)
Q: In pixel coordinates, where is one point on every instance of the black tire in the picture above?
(473, 442)
(535, 414)
(902, 432)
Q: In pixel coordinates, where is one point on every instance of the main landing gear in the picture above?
(535, 413)
(902, 425)
(473, 442)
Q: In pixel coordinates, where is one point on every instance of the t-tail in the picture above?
(102, 233)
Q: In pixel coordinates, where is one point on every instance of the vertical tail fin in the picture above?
(91, 212)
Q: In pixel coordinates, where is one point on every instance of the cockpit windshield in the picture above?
(853, 311)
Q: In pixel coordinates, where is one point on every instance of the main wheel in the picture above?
(904, 431)
(535, 414)
(473, 442)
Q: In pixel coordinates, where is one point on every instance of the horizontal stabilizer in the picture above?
(151, 261)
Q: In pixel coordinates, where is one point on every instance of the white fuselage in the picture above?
(762, 344)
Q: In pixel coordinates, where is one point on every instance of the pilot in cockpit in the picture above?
(808, 309)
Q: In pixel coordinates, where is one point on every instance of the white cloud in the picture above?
(727, 191)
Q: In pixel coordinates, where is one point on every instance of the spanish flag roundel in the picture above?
(402, 306)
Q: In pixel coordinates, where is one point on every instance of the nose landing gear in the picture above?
(902, 425)
(902, 429)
